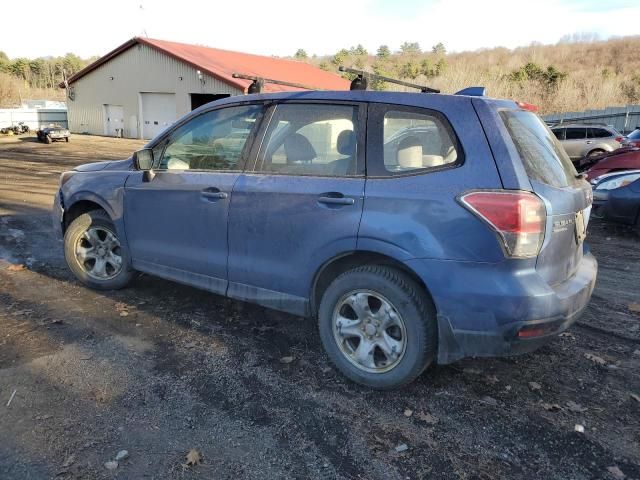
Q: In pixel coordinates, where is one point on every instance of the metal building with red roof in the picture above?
(144, 85)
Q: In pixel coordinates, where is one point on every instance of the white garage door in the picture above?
(158, 112)
(113, 120)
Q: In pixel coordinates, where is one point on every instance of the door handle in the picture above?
(213, 193)
(589, 142)
(338, 199)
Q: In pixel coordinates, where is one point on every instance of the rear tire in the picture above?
(66, 139)
(389, 338)
(94, 254)
(47, 139)
(595, 152)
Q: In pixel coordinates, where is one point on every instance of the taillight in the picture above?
(619, 139)
(518, 218)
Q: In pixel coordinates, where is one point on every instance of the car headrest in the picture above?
(346, 143)
(410, 152)
(298, 148)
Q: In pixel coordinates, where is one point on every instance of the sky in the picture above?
(280, 27)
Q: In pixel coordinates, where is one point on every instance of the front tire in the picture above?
(47, 139)
(94, 254)
(378, 326)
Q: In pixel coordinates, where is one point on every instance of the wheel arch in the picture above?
(348, 260)
(81, 205)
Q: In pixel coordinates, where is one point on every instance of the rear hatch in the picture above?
(567, 196)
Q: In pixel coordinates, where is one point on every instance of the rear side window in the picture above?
(576, 133)
(543, 157)
(559, 133)
(415, 141)
(598, 133)
(313, 139)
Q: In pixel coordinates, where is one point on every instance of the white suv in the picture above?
(587, 140)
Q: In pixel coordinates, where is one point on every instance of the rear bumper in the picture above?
(482, 307)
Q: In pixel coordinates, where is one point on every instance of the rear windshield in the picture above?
(543, 157)
(635, 135)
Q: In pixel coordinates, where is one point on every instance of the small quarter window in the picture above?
(415, 141)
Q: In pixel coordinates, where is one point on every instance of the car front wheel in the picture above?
(94, 253)
(378, 326)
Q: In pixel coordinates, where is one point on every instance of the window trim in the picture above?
(245, 157)
(375, 130)
(259, 144)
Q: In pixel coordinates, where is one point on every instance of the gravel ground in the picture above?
(159, 369)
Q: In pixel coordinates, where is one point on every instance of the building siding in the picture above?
(136, 70)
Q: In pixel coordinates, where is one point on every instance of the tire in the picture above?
(47, 139)
(595, 152)
(66, 139)
(413, 326)
(92, 251)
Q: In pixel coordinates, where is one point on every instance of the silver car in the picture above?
(587, 140)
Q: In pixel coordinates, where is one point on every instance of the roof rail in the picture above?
(361, 82)
(473, 91)
(258, 83)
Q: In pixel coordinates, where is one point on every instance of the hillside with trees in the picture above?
(23, 78)
(577, 73)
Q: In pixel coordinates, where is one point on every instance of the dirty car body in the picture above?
(319, 216)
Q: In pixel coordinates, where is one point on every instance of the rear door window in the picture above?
(311, 139)
(543, 157)
(559, 133)
(576, 133)
(598, 133)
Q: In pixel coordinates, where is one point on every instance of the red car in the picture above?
(621, 159)
(632, 140)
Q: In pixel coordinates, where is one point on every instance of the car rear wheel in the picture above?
(66, 139)
(47, 139)
(94, 253)
(595, 152)
(378, 326)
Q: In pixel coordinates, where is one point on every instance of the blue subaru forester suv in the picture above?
(416, 228)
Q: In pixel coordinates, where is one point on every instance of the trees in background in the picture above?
(24, 77)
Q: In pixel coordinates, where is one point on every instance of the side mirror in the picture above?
(143, 159)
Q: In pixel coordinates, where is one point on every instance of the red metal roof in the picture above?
(223, 63)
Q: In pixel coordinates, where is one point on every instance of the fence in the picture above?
(35, 118)
(623, 119)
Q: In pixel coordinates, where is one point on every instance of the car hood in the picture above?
(108, 165)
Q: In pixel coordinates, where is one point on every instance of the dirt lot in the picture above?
(159, 369)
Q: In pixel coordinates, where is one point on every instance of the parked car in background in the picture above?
(52, 133)
(415, 228)
(619, 160)
(586, 140)
(633, 139)
(616, 197)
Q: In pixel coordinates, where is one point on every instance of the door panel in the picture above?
(176, 223)
(172, 223)
(301, 208)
